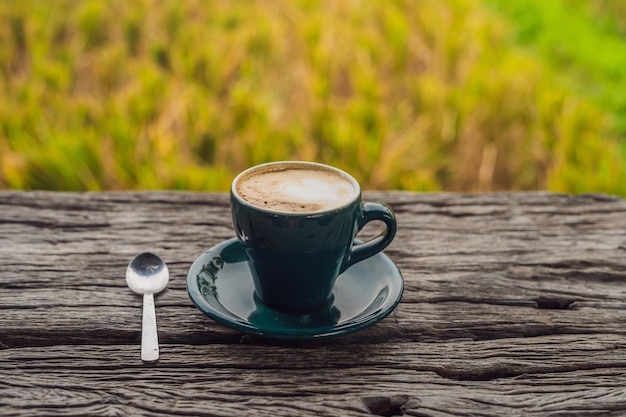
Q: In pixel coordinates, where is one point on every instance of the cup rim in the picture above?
(266, 165)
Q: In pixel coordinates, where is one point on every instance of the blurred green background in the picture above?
(460, 95)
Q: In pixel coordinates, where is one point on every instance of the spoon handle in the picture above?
(149, 338)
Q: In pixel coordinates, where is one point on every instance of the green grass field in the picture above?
(461, 95)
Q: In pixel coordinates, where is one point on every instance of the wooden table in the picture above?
(514, 304)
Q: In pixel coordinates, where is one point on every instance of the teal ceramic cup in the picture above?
(296, 255)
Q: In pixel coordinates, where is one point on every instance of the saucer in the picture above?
(220, 284)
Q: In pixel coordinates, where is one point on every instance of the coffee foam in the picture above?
(296, 190)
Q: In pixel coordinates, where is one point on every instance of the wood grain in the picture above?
(514, 304)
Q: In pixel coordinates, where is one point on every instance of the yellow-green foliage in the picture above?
(420, 95)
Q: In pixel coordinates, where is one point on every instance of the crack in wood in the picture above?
(554, 303)
(386, 406)
(503, 370)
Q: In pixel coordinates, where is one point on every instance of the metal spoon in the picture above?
(147, 274)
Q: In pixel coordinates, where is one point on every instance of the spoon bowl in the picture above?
(148, 274)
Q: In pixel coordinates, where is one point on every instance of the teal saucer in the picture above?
(220, 284)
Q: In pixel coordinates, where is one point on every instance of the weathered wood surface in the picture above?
(514, 304)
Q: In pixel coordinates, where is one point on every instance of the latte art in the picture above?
(296, 189)
(311, 189)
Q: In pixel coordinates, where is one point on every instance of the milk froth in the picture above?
(296, 189)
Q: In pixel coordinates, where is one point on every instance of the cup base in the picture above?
(289, 309)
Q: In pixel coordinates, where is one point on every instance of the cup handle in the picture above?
(361, 251)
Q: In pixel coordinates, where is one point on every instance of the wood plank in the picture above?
(514, 304)
(529, 376)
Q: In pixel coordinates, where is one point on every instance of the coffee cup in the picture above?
(298, 222)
